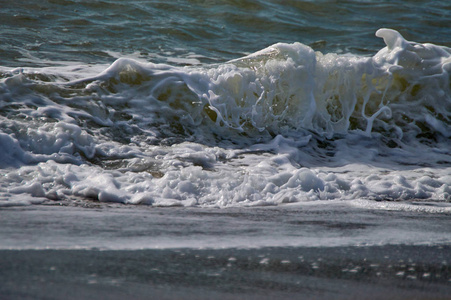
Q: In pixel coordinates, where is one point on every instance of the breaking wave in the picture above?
(284, 124)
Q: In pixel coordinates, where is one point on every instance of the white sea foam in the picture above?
(282, 125)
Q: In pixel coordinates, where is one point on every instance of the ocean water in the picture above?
(216, 104)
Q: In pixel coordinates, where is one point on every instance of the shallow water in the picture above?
(254, 103)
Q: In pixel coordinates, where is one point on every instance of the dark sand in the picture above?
(384, 272)
(202, 256)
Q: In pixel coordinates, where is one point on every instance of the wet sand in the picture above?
(384, 272)
(305, 252)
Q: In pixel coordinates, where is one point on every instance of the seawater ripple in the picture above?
(42, 33)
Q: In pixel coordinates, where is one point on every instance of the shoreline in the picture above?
(123, 227)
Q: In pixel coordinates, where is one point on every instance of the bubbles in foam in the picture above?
(402, 89)
(285, 124)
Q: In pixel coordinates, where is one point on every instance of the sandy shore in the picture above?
(318, 251)
(384, 272)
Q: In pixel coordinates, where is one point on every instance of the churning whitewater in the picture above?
(282, 125)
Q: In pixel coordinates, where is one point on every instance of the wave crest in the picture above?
(403, 90)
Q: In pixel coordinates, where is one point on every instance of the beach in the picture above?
(246, 253)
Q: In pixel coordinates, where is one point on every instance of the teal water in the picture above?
(38, 33)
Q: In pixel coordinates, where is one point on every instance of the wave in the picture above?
(282, 124)
(402, 90)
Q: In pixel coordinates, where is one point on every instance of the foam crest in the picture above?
(403, 89)
(419, 89)
(282, 125)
